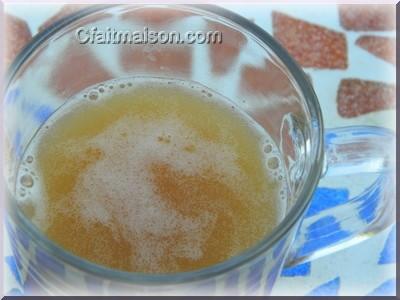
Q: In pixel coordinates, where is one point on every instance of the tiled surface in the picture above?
(366, 268)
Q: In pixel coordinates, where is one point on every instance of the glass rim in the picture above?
(290, 220)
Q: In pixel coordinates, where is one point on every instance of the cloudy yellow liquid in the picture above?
(152, 176)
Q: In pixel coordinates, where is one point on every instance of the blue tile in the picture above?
(12, 96)
(12, 265)
(23, 238)
(278, 248)
(299, 270)
(325, 198)
(42, 113)
(321, 233)
(324, 226)
(15, 251)
(272, 275)
(369, 202)
(17, 255)
(31, 283)
(313, 245)
(39, 112)
(388, 253)
(49, 263)
(329, 137)
(254, 276)
(9, 227)
(388, 288)
(94, 284)
(232, 282)
(17, 143)
(14, 292)
(330, 288)
(206, 288)
(359, 132)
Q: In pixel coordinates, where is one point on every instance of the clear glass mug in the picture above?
(248, 67)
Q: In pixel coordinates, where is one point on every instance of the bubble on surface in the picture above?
(26, 180)
(268, 148)
(273, 163)
(93, 95)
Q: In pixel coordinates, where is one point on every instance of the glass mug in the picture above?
(250, 68)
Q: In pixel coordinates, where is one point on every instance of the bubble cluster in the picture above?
(275, 167)
(28, 188)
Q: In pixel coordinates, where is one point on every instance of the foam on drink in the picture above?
(153, 176)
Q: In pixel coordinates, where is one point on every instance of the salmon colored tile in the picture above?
(163, 59)
(154, 16)
(224, 54)
(309, 44)
(70, 9)
(380, 46)
(267, 79)
(65, 10)
(78, 68)
(273, 120)
(17, 35)
(362, 17)
(275, 96)
(357, 97)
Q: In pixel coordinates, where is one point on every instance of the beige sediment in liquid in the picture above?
(152, 175)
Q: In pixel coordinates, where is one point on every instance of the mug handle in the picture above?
(335, 223)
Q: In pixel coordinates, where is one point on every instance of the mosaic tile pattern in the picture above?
(329, 275)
